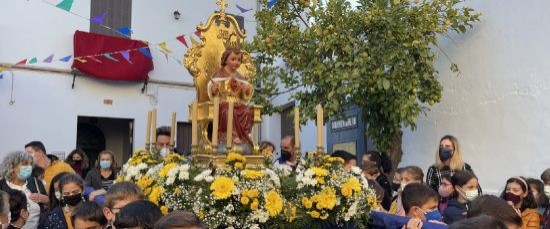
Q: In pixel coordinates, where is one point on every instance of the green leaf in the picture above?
(386, 84)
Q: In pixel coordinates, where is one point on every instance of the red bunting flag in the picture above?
(182, 40)
(198, 33)
(95, 59)
(22, 62)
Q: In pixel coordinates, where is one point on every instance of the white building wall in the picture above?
(46, 108)
(498, 107)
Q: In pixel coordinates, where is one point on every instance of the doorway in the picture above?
(95, 134)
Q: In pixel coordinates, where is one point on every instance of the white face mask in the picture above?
(470, 195)
(58, 196)
(164, 152)
(547, 190)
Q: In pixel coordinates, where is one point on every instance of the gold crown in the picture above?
(233, 41)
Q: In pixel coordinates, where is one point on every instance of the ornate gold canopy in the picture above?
(203, 59)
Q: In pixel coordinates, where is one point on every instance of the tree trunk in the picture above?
(395, 152)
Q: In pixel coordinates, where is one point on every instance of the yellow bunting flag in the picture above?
(163, 47)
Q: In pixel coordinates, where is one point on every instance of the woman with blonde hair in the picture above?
(448, 161)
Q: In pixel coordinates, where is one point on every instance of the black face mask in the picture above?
(285, 155)
(73, 200)
(445, 154)
(395, 186)
(77, 162)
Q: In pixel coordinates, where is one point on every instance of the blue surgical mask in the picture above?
(105, 164)
(25, 172)
(432, 215)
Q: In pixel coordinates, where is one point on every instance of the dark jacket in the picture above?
(94, 179)
(546, 219)
(433, 177)
(54, 219)
(455, 211)
(34, 185)
(382, 180)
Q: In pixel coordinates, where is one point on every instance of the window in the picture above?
(119, 14)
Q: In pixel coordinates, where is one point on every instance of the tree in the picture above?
(378, 56)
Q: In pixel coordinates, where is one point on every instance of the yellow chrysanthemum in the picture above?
(252, 174)
(351, 184)
(164, 171)
(222, 187)
(244, 200)
(235, 157)
(290, 212)
(145, 182)
(239, 165)
(164, 210)
(178, 191)
(307, 203)
(119, 179)
(326, 199)
(254, 205)
(319, 172)
(372, 201)
(320, 180)
(273, 203)
(251, 193)
(156, 192)
(173, 157)
(314, 214)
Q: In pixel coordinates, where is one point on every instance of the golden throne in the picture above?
(202, 60)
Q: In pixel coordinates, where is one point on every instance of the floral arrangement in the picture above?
(329, 195)
(240, 195)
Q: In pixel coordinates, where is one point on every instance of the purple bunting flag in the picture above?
(48, 59)
(243, 10)
(99, 18)
(126, 55)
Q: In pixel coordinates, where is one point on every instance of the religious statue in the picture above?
(233, 88)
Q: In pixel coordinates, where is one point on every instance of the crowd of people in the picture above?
(450, 193)
(38, 190)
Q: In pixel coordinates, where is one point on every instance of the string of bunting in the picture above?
(66, 5)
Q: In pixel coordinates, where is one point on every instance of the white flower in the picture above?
(184, 175)
(229, 208)
(255, 226)
(173, 172)
(170, 180)
(260, 216)
(184, 167)
(201, 176)
(209, 179)
(309, 173)
(356, 170)
(351, 211)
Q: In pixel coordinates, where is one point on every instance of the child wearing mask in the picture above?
(71, 187)
(465, 184)
(518, 195)
(410, 174)
(118, 196)
(445, 191)
(420, 205)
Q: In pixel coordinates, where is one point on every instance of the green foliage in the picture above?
(377, 56)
